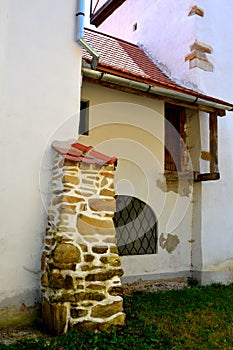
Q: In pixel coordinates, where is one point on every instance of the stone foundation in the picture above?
(81, 267)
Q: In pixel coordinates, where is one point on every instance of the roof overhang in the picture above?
(185, 97)
(105, 11)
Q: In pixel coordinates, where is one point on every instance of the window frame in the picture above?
(174, 138)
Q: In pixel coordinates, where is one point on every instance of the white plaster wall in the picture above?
(217, 219)
(39, 89)
(132, 128)
(164, 29)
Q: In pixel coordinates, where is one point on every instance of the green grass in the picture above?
(192, 318)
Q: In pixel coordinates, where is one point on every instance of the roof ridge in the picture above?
(112, 37)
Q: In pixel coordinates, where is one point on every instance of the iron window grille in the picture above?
(136, 226)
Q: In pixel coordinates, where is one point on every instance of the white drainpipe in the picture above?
(80, 16)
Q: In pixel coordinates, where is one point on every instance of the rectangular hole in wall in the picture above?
(84, 118)
(135, 26)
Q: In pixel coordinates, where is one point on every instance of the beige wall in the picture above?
(132, 128)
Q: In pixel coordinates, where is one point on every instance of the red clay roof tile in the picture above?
(128, 60)
(122, 56)
(78, 152)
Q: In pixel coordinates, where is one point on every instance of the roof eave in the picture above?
(190, 96)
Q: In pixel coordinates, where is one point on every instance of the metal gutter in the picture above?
(80, 16)
(144, 87)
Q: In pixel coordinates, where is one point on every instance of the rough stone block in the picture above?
(196, 54)
(100, 249)
(88, 182)
(55, 317)
(104, 182)
(68, 199)
(62, 266)
(104, 276)
(102, 204)
(110, 240)
(89, 296)
(84, 247)
(114, 250)
(88, 225)
(104, 311)
(50, 241)
(67, 209)
(72, 199)
(93, 286)
(65, 229)
(107, 174)
(88, 258)
(195, 10)
(58, 281)
(71, 168)
(84, 193)
(116, 290)
(198, 45)
(111, 260)
(65, 296)
(44, 280)
(77, 312)
(108, 193)
(70, 179)
(43, 259)
(69, 163)
(205, 65)
(66, 253)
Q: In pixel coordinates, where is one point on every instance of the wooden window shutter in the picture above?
(174, 134)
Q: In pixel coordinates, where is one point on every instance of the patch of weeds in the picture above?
(192, 282)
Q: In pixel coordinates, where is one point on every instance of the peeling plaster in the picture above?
(170, 243)
(183, 187)
(20, 310)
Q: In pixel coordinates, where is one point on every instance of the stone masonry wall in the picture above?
(81, 267)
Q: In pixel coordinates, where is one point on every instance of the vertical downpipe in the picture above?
(80, 18)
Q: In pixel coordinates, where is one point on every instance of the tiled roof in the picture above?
(78, 152)
(127, 60)
(122, 56)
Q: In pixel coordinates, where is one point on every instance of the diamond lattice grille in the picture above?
(136, 226)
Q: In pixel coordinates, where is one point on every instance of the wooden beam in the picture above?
(206, 177)
(213, 134)
(105, 11)
(190, 105)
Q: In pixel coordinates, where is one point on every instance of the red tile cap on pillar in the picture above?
(78, 152)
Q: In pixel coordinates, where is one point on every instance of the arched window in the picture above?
(136, 226)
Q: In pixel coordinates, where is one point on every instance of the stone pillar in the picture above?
(81, 286)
